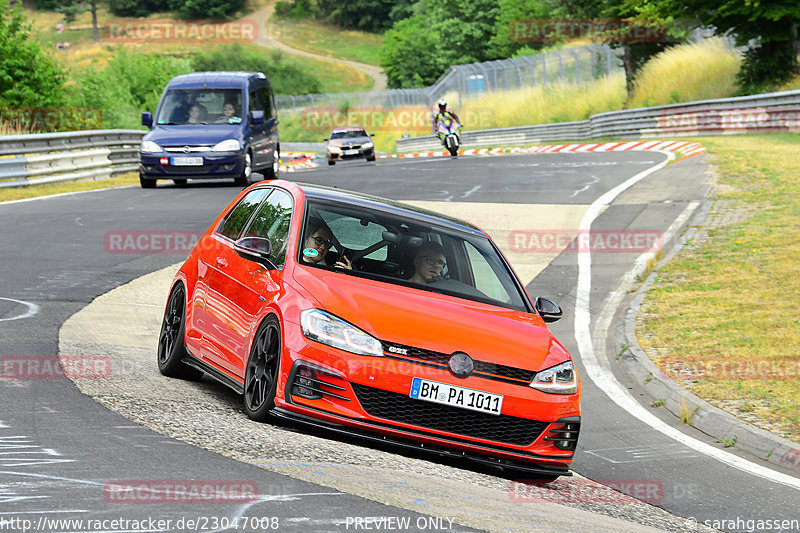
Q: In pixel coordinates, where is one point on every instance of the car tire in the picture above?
(271, 172)
(371, 158)
(171, 350)
(262, 371)
(145, 183)
(179, 183)
(244, 178)
(331, 162)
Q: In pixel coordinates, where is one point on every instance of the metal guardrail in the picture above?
(743, 114)
(75, 155)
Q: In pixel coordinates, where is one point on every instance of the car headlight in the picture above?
(150, 146)
(559, 379)
(228, 145)
(323, 327)
(335, 149)
(367, 145)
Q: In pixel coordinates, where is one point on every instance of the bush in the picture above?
(131, 83)
(286, 77)
(295, 9)
(29, 77)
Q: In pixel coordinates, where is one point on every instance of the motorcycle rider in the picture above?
(444, 112)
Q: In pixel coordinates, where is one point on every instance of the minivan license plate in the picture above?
(187, 161)
(443, 393)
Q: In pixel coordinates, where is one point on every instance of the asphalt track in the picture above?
(60, 448)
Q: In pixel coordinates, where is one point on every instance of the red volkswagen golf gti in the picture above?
(377, 319)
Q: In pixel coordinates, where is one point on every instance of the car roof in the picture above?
(348, 128)
(214, 79)
(392, 207)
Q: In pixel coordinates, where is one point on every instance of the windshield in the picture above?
(201, 106)
(348, 134)
(403, 251)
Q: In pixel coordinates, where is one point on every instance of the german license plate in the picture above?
(187, 161)
(351, 152)
(443, 393)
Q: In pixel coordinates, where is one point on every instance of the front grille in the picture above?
(401, 408)
(182, 149)
(482, 369)
(200, 169)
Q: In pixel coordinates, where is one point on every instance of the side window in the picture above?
(237, 219)
(254, 102)
(272, 221)
(265, 99)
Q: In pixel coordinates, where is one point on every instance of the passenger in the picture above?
(428, 263)
(195, 114)
(318, 243)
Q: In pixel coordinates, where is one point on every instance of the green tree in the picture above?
(768, 27)
(29, 77)
(366, 15)
(207, 9)
(417, 50)
(504, 42)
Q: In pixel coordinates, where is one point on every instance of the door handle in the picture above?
(221, 262)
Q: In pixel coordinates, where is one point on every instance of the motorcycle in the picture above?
(449, 131)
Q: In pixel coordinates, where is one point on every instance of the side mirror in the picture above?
(548, 309)
(147, 119)
(325, 139)
(255, 249)
(257, 116)
(372, 135)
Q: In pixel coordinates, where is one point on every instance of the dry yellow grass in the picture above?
(46, 189)
(686, 73)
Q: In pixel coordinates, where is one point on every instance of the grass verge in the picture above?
(723, 316)
(47, 189)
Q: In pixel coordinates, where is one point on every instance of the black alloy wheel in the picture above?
(170, 341)
(263, 368)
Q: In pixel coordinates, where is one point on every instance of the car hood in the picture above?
(194, 134)
(436, 322)
(349, 140)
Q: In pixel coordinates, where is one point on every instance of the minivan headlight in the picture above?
(150, 146)
(228, 145)
(326, 328)
(559, 379)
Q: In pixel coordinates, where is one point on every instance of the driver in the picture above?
(318, 243)
(429, 261)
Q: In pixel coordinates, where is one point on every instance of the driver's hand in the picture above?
(344, 263)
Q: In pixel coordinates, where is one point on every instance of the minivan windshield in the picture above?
(201, 106)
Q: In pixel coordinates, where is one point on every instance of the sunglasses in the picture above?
(327, 243)
(433, 261)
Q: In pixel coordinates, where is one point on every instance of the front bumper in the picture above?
(369, 397)
(215, 165)
(363, 153)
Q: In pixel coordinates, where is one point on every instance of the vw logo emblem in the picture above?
(186, 149)
(460, 364)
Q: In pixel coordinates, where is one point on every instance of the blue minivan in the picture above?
(211, 125)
